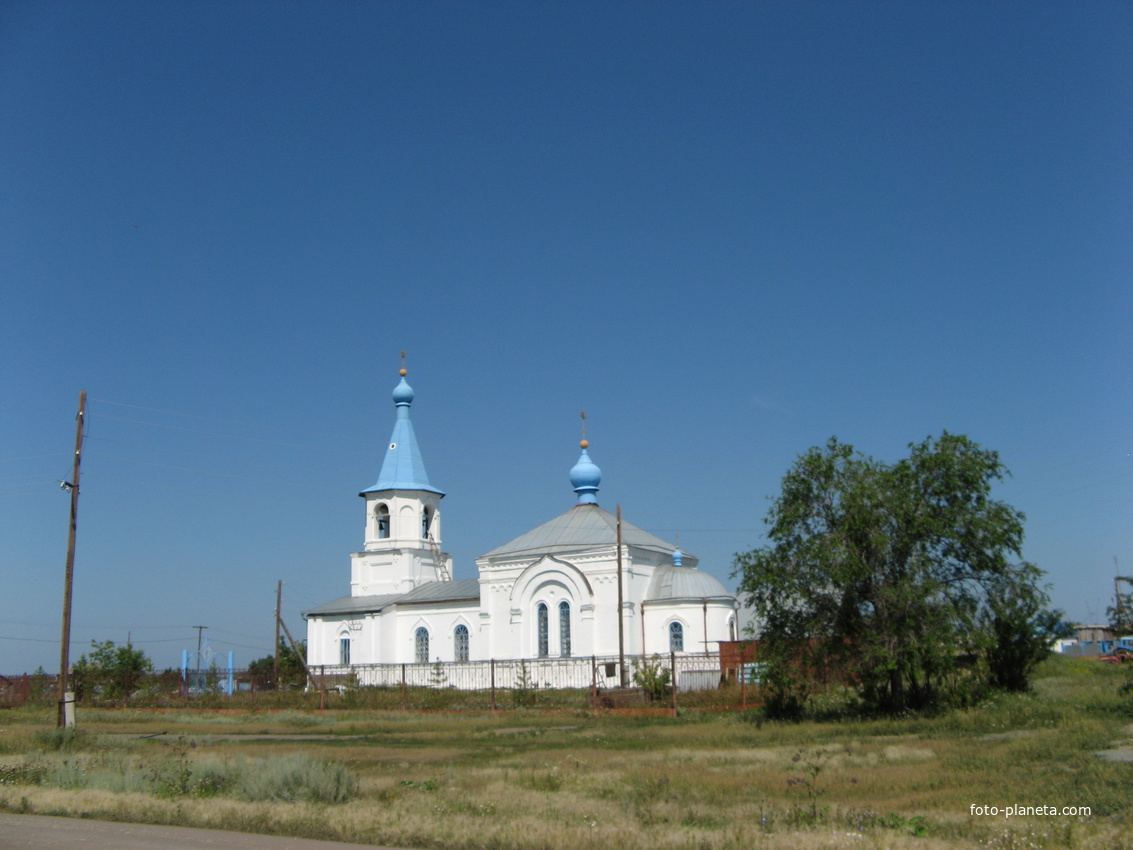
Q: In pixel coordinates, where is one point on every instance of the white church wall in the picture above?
(551, 581)
(702, 627)
(368, 640)
(320, 640)
(439, 621)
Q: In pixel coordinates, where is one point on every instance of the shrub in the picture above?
(63, 739)
(296, 777)
(653, 677)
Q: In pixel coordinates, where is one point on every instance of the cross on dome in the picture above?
(403, 468)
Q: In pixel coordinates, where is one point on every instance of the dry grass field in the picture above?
(522, 780)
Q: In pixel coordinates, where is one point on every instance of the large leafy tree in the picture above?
(886, 574)
(110, 671)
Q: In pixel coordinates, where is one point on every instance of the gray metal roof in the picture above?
(355, 605)
(430, 591)
(672, 583)
(582, 527)
(444, 591)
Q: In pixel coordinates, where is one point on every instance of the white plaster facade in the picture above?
(551, 592)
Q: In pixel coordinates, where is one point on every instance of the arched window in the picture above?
(382, 513)
(544, 630)
(676, 637)
(564, 628)
(460, 642)
(344, 651)
(426, 521)
(421, 645)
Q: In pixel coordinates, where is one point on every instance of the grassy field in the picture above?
(521, 780)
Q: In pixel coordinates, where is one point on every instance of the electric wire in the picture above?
(217, 419)
(230, 436)
(190, 469)
(33, 457)
(202, 455)
(459, 461)
(178, 488)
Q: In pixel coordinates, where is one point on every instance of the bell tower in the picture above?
(402, 546)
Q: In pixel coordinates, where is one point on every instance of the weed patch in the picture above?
(63, 739)
(28, 773)
(294, 777)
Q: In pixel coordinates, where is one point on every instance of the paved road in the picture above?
(38, 832)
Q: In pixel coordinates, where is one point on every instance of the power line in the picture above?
(238, 634)
(190, 469)
(165, 486)
(79, 642)
(33, 457)
(222, 421)
(232, 436)
(201, 454)
(323, 436)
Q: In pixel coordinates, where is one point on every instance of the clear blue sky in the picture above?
(729, 231)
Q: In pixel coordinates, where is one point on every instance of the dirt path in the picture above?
(38, 832)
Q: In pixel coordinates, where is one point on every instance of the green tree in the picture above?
(1121, 612)
(1019, 629)
(886, 573)
(110, 672)
(290, 665)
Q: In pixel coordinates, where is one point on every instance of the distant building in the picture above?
(1093, 640)
(1088, 634)
(549, 593)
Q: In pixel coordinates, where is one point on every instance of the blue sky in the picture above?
(728, 231)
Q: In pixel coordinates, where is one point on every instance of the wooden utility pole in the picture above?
(278, 606)
(298, 654)
(621, 614)
(66, 717)
(200, 632)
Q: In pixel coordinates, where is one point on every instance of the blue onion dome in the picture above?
(585, 476)
(402, 393)
(678, 556)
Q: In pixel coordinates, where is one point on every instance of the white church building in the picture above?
(551, 593)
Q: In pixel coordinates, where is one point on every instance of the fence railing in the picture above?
(692, 671)
(592, 681)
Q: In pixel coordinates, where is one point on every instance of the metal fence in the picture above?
(22, 689)
(588, 682)
(688, 672)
